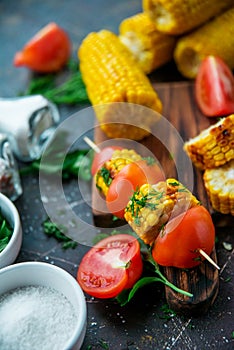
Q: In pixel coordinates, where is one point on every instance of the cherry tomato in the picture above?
(109, 267)
(47, 52)
(102, 157)
(131, 177)
(214, 87)
(178, 243)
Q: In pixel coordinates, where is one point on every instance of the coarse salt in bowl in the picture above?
(35, 282)
(10, 213)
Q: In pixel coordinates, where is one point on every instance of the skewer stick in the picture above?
(208, 258)
(92, 144)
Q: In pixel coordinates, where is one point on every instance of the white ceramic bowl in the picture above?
(47, 275)
(10, 213)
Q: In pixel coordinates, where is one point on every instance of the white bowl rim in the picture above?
(17, 230)
(80, 328)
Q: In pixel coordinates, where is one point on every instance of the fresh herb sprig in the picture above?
(125, 296)
(52, 229)
(71, 92)
(78, 161)
(5, 233)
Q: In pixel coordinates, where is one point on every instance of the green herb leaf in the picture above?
(57, 231)
(75, 163)
(72, 91)
(125, 296)
(6, 232)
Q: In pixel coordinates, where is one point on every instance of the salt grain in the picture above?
(35, 317)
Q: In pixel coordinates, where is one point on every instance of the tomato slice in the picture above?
(131, 177)
(214, 87)
(47, 52)
(112, 265)
(178, 243)
(102, 157)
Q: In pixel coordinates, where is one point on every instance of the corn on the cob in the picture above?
(112, 75)
(152, 205)
(219, 184)
(150, 47)
(214, 146)
(180, 16)
(111, 168)
(213, 38)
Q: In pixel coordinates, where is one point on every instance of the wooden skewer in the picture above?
(208, 258)
(201, 251)
(92, 144)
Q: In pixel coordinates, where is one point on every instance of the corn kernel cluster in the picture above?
(119, 159)
(152, 205)
(213, 151)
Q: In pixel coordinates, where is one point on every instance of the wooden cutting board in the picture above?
(180, 109)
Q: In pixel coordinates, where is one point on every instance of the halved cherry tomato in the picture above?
(214, 87)
(131, 177)
(102, 157)
(47, 52)
(112, 265)
(178, 243)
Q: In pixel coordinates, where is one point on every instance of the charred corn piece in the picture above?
(219, 184)
(111, 168)
(150, 47)
(214, 146)
(213, 38)
(111, 74)
(152, 206)
(180, 16)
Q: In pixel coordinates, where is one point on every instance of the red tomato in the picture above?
(112, 265)
(178, 243)
(48, 51)
(131, 177)
(214, 87)
(102, 157)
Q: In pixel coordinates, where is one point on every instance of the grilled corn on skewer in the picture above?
(152, 205)
(111, 168)
(150, 47)
(219, 184)
(213, 38)
(180, 16)
(111, 74)
(214, 146)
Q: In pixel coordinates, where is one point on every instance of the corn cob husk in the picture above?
(214, 146)
(112, 75)
(150, 47)
(219, 184)
(180, 16)
(119, 159)
(213, 38)
(152, 206)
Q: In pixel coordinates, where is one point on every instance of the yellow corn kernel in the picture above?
(150, 47)
(180, 16)
(111, 74)
(213, 38)
(119, 159)
(219, 184)
(205, 150)
(152, 206)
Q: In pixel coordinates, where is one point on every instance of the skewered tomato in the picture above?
(179, 241)
(102, 157)
(47, 52)
(214, 87)
(131, 177)
(112, 265)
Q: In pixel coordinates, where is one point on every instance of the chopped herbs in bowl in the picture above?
(6, 232)
(10, 232)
